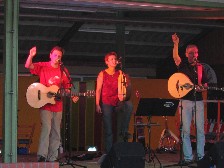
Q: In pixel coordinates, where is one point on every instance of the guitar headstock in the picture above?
(90, 93)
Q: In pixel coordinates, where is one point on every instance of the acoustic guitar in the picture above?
(179, 85)
(38, 95)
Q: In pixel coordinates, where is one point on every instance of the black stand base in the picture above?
(151, 156)
(71, 163)
(66, 159)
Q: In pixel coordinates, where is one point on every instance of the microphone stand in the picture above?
(181, 130)
(134, 118)
(124, 133)
(123, 84)
(181, 122)
(64, 70)
(181, 161)
(67, 109)
(195, 105)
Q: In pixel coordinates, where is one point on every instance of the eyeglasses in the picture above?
(192, 53)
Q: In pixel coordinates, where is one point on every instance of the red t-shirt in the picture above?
(51, 76)
(110, 88)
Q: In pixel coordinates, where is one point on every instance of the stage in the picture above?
(166, 159)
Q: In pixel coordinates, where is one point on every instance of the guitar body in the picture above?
(38, 95)
(179, 85)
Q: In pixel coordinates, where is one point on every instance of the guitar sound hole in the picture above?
(38, 94)
(50, 94)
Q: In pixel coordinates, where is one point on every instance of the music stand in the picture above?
(168, 139)
(155, 107)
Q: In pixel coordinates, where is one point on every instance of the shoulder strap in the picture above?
(120, 72)
(199, 66)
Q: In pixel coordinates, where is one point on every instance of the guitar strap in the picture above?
(199, 66)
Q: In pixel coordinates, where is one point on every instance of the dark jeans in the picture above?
(123, 114)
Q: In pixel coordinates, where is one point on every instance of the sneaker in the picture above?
(57, 160)
(42, 159)
(186, 162)
(199, 158)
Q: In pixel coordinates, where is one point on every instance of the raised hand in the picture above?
(33, 51)
(175, 39)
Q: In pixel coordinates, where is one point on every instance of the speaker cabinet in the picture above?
(125, 154)
(215, 156)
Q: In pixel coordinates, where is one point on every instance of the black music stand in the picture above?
(155, 107)
(168, 107)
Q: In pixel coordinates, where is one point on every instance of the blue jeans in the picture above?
(123, 114)
(188, 113)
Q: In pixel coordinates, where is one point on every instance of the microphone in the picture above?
(59, 62)
(195, 59)
(119, 60)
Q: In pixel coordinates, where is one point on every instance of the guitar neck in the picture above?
(215, 88)
(70, 94)
(78, 94)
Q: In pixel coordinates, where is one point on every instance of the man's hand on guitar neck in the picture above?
(75, 99)
(201, 88)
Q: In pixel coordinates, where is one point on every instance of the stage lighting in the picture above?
(91, 148)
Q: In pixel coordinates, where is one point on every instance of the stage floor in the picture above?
(89, 160)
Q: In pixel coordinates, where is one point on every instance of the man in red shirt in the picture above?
(50, 73)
